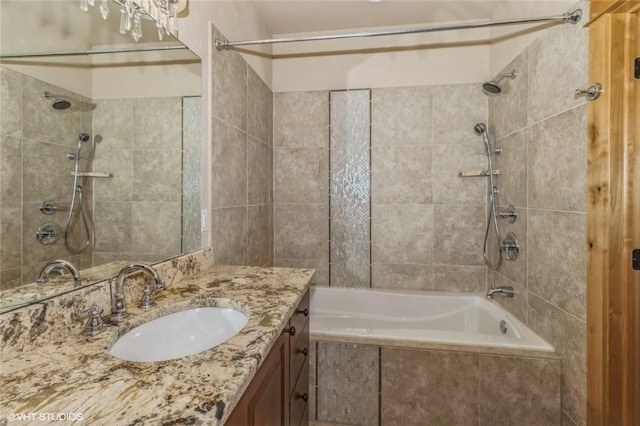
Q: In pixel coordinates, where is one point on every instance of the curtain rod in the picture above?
(570, 17)
(91, 52)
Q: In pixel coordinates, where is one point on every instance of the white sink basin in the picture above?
(178, 335)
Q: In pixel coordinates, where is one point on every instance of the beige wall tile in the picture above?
(10, 278)
(113, 227)
(301, 119)
(401, 116)
(429, 388)
(558, 64)
(10, 170)
(157, 175)
(448, 187)
(32, 251)
(456, 109)
(109, 112)
(260, 173)
(459, 235)
(557, 264)
(558, 162)
(466, 279)
(11, 102)
(229, 166)
(259, 108)
(230, 238)
(508, 111)
(46, 124)
(516, 270)
(403, 276)
(301, 175)
(401, 174)
(567, 421)
(120, 186)
(229, 88)
(259, 249)
(512, 163)
(45, 171)
(519, 391)
(518, 304)
(155, 227)
(10, 236)
(402, 234)
(321, 278)
(301, 231)
(348, 383)
(568, 337)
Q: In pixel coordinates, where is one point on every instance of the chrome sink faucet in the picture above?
(118, 304)
(506, 291)
(58, 265)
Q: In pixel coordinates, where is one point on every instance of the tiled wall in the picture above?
(242, 222)
(137, 213)
(355, 384)
(34, 142)
(542, 130)
(427, 223)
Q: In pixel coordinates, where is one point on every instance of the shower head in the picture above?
(493, 86)
(57, 103)
(83, 137)
(481, 129)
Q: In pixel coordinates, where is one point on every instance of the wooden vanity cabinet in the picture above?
(279, 392)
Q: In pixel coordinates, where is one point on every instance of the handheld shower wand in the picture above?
(492, 214)
(77, 190)
(481, 129)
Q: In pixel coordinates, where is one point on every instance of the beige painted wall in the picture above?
(503, 51)
(442, 58)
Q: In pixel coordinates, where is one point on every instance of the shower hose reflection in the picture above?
(77, 202)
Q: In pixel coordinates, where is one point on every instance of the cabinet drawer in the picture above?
(299, 319)
(298, 402)
(298, 356)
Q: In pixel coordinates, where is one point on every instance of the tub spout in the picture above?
(504, 291)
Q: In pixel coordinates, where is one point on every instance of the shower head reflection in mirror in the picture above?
(57, 102)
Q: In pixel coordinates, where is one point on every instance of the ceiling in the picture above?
(298, 16)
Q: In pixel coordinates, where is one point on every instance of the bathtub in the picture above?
(408, 316)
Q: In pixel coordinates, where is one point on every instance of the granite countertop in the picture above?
(76, 376)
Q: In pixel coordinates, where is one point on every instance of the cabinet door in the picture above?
(265, 402)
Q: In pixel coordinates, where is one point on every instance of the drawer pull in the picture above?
(304, 312)
(291, 331)
(304, 397)
(303, 351)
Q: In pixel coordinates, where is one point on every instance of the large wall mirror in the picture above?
(99, 152)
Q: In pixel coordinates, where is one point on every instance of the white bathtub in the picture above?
(440, 318)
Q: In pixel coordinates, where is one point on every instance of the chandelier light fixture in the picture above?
(164, 12)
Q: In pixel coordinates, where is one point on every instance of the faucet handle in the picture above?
(95, 324)
(147, 301)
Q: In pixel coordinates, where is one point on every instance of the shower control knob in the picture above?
(591, 93)
(48, 233)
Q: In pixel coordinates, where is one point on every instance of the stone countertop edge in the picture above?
(75, 376)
